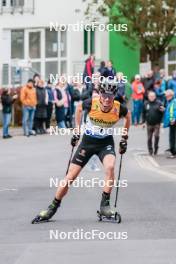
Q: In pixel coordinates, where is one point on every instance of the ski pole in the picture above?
(70, 160)
(117, 187)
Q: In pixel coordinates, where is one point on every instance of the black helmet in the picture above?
(108, 87)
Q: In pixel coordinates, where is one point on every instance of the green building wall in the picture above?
(124, 59)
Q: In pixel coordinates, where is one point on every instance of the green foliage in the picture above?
(152, 23)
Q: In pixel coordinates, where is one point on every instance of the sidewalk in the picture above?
(165, 163)
(14, 131)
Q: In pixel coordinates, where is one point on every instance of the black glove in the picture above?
(122, 146)
(74, 140)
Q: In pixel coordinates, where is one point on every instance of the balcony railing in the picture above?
(17, 6)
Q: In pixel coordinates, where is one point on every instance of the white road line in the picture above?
(148, 163)
(4, 190)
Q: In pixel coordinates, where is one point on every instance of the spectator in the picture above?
(110, 71)
(148, 82)
(76, 95)
(41, 108)
(67, 92)
(172, 83)
(138, 96)
(121, 88)
(59, 107)
(159, 88)
(29, 101)
(88, 71)
(50, 104)
(170, 121)
(102, 69)
(36, 79)
(7, 102)
(152, 114)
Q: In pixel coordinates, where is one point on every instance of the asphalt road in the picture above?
(147, 206)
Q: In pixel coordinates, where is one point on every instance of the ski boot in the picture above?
(45, 215)
(106, 212)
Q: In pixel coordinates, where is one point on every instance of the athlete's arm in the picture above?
(127, 121)
(83, 106)
(125, 113)
(78, 117)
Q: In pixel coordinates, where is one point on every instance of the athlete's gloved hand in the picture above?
(74, 140)
(122, 146)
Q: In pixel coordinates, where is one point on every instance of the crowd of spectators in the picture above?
(153, 100)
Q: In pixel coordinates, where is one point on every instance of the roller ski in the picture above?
(46, 215)
(106, 212)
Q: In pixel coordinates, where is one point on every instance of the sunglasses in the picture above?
(109, 96)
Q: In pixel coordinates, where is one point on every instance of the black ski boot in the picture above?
(45, 215)
(106, 212)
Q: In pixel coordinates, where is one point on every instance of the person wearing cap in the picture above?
(28, 99)
(170, 121)
(104, 112)
(138, 92)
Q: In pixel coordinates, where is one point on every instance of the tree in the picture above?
(151, 23)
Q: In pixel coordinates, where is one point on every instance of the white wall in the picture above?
(47, 11)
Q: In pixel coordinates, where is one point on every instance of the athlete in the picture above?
(103, 114)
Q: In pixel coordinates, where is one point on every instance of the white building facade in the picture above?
(28, 46)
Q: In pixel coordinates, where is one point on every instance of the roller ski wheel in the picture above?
(118, 218)
(114, 217)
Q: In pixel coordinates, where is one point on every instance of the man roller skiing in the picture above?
(103, 113)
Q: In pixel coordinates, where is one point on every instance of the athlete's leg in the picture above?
(109, 166)
(72, 174)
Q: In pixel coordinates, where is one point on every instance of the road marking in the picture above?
(148, 163)
(4, 190)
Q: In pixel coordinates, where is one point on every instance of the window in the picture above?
(34, 45)
(51, 44)
(17, 44)
(171, 68)
(63, 67)
(36, 66)
(17, 3)
(4, 3)
(51, 67)
(63, 43)
(172, 53)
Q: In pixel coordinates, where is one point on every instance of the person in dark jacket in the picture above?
(50, 93)
(7, 102)
(120, 88)
(148, 82)
(110, 71)
(102, 69)
(59, 107)
(36, 79)
(152, 114)
(41, 108)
